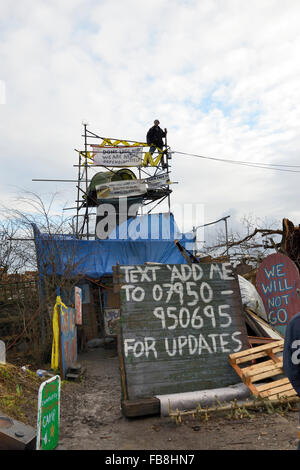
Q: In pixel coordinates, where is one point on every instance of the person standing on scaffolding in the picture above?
(155, 138)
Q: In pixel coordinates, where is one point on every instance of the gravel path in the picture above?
(91, 419)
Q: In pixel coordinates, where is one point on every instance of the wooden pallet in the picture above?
(270, 366)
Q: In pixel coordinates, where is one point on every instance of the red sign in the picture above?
(278, 284)
(78, 305)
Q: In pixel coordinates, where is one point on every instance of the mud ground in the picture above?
(91, 419)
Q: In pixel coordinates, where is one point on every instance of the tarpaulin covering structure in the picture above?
(143, 239)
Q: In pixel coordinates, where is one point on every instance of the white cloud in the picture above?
(221, 76)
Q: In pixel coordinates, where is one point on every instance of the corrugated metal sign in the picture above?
(178, 325)
(277, 282)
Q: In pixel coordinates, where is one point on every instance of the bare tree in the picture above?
(54, 267)
(256, 239)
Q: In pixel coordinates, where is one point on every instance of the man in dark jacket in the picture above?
(155, 137)
(291, 356)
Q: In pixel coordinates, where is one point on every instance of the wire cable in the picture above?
(266, 166)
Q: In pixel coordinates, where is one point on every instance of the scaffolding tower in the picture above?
(153, 170)
(151, 167)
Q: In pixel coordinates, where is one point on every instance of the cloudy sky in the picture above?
(221, 75)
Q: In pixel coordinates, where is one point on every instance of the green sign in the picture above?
(48, 414)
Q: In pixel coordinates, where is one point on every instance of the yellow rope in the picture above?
(149, 158)
(110, 143)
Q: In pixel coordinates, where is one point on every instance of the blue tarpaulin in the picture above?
(143, 239)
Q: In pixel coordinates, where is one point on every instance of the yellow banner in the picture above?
(55, 342)
(148, 158)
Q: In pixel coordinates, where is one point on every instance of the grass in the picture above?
(19, 393)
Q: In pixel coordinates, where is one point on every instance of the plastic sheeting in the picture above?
(190, 400)
(66, 255)
(151, 227)
(251, 298)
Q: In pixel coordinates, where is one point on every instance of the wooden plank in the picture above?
(251, 387)
(142, 407)
(290, 393)
(68, 339)
(260, 370)
(178, 324)
(122, 371)
(274, 357)
(237, 369)
(262, 388)
(257, 355)
(259, 365)
(265, 375)
(275, 390)
(270, 366)
(263, 347)
(116, 279)
(250, 274)
(262, 327)
(260, 340)
(183, 252)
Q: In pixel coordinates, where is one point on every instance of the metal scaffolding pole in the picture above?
(86, 181)
(77, 211)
